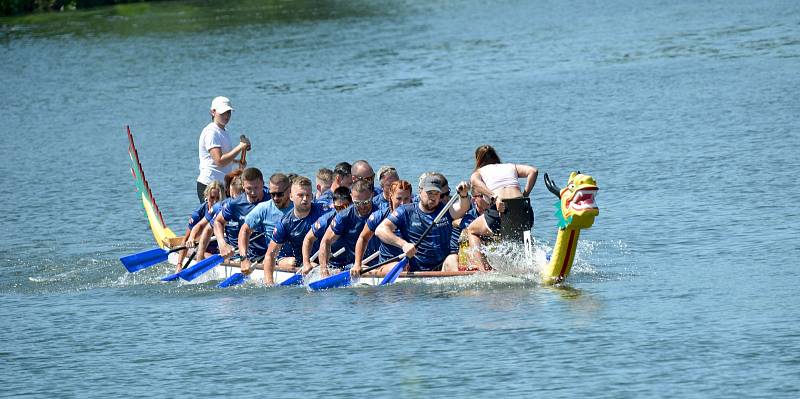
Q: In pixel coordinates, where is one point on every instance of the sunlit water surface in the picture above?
(686, 113)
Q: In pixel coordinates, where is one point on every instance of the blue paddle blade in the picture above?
(234, 279)
(201, 267)
(143, 260)
(171, 277)
(296, 279)
(392, 275)
(341, 279)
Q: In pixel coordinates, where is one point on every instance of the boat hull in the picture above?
(225, 270)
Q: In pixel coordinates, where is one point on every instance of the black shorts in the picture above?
(493, 216)
(201, 191)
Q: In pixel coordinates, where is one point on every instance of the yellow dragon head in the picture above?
(576, 207)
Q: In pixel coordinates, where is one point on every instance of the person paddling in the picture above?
(197, 221)
(232, 215)
(407, 224)
(341, 201)
(263, 218)
(347, 226)
(292, 229)
(399, 192)
(215, 150)
(500, 182)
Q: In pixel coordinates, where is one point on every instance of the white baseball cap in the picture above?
(221, 105)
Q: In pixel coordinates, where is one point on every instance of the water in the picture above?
(685, 113)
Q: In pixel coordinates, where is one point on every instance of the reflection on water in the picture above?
(182, 17)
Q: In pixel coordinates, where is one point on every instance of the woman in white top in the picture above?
(217, 154)
(497, 181)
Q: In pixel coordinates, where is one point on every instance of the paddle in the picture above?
(343, 279)
(243, 158)
(206, 264)
(237, 278)
(395, 272)
(176, 275)
(297, 278)
(143, 260)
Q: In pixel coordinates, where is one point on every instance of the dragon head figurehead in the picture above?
(576, 207)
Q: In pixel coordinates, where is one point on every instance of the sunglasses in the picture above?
(278, 194)
(363, 203)
(340, 207)
(367, 178)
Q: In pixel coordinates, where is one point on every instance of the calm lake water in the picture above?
(687, 113)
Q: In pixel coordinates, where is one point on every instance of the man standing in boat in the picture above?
(347, 226)
(290, 231)
(411, 221)
(217, 154)
(263, 218)
(231, 217)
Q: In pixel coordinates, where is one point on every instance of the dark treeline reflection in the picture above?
(170, 16)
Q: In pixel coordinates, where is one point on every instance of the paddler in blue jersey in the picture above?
(363, 171)
(347, 226)
(263, 218)
(411, 221)
(204, 230)
(324, 179)
(231, 217)
(386, 176)
(291, 230)
(197, 221)
(341, 178)
(400, 194)
(341, 201)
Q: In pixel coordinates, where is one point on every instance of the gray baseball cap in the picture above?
(432, 183)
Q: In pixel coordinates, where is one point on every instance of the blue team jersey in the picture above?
(234, 212)
(198, 214)
(215, 210)
(326, 198)
(471, 215)
(412, 222)
(387, 251)
(380, 203)
(319, 228)
(265, 216)
(348, 225)
(291, 231)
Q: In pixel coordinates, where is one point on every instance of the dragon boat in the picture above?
(577, 210)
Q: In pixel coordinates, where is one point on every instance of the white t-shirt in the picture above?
(211, 137)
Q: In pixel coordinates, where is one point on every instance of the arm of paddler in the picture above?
(325, 251)
(385, 233)
(269, 262)
(308, 244)
(244, 242)
(530, 173)
(361, 247)
(461, 207)
(182, 253)
(219, 231)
